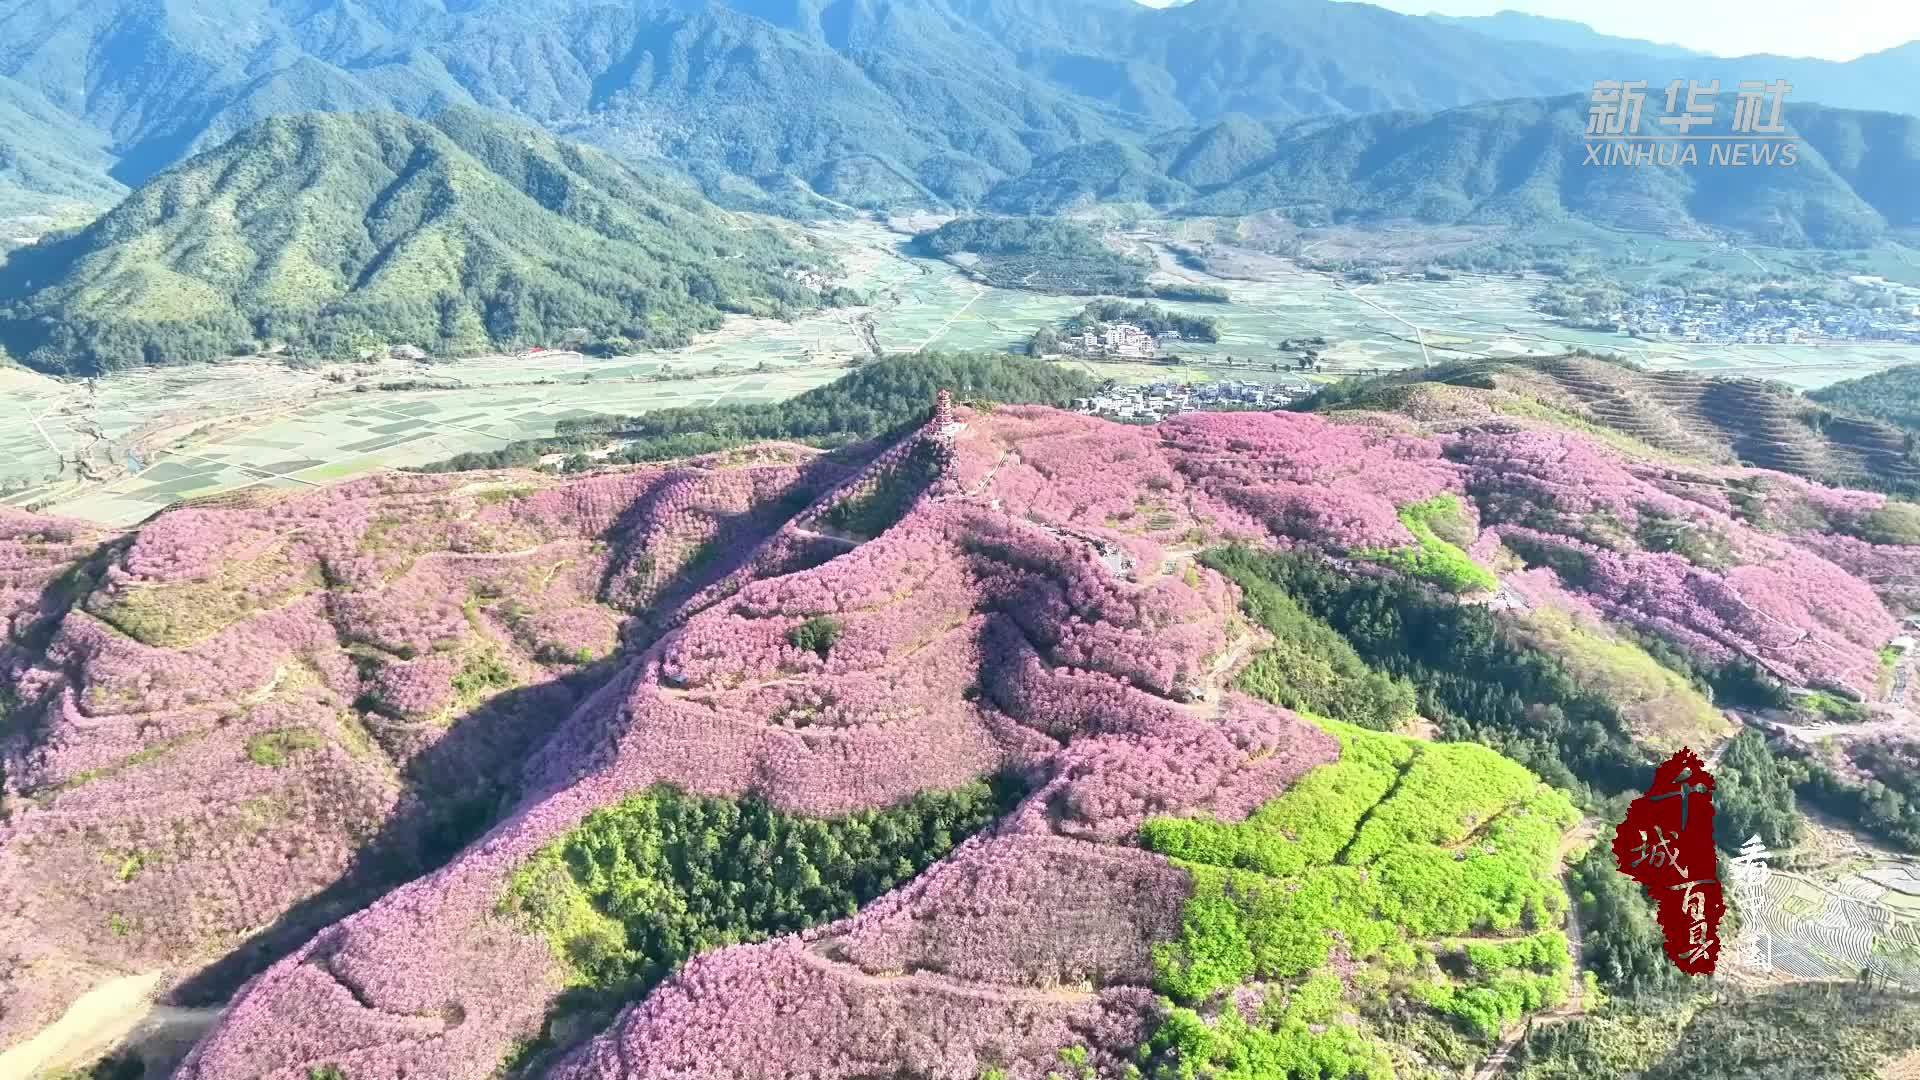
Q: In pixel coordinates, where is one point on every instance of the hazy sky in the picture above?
(1831, 29)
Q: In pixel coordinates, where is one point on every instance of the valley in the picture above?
(153, 436)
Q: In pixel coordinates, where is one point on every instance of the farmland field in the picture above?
(152, 437)
(267, 439)
(1832, 930)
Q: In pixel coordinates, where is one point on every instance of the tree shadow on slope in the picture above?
(736, 543)
(30, 639)
(890, 495)
(473, 775)
(458, 787)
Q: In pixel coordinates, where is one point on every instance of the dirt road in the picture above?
(117, 1014)
(1576, 1005)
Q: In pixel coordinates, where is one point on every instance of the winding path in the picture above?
(817, 956)
(1576, 1005)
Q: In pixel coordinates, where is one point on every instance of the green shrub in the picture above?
(1433, 557)
(495, 496)
(1295, 1035)
(1543, 952)
(273, 748)
(1484, 1008)
(816, 635)
(1895, 523)
(482, 673)
(1076, 1065)
(1831, 707)
(129, 865)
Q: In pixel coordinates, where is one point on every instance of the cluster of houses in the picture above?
(1118, 339)
(1766, 320)
(817, 280)
(1157, 401)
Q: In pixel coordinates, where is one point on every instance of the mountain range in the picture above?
(1561, 33)
(1854, 180)
(868, 102)
(339, 233)
(46, 159)
(336, 178)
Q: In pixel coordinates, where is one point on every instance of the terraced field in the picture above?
(1721, 418)
(1832, 931)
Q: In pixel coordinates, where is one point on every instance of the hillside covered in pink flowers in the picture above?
(967, 756)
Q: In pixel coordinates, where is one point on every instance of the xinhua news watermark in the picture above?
(1758, 133)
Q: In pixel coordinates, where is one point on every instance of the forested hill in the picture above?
(1892, 395)
(876, 399)
(869, 102)
(337, 233)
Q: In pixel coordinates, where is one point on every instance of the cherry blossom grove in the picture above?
(236, 712)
